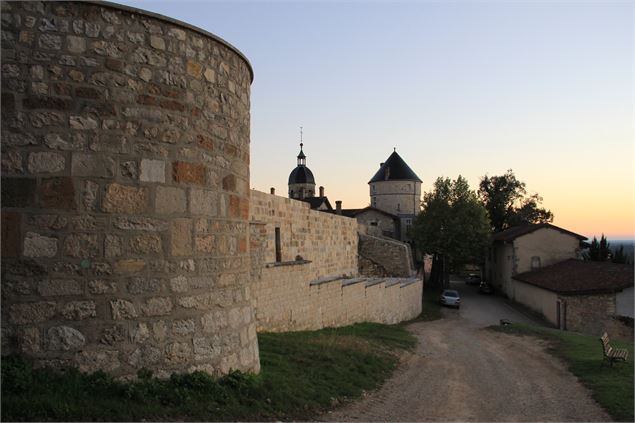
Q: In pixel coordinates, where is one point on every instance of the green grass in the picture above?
(303, 373)
(612, 387)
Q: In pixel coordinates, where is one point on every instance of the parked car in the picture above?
(450, 298)
(485, 288)
(473, 279)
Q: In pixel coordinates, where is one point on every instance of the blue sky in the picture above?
(460, 87)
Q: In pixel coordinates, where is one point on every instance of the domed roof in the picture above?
(301, 175)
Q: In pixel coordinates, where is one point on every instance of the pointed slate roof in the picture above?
(395, 169)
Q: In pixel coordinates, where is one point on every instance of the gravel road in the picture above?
(460, 371)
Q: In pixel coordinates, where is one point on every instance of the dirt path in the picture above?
(460, 372)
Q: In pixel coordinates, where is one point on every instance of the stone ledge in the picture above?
(326, 279)
(353, 281)
(374, 281)
(287, 263)
(409, 281)
(392, 282)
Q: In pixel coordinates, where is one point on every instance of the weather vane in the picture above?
(301, 143)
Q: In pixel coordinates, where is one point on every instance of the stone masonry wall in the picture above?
(125, 175)
(322, 289)
(594, 315)
(386, 256)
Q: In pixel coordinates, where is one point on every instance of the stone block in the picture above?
(179, 284)
(65, 338)
(129, 266)
(157, 42)
(26, 313)
(57, 193)
(143, 285)
(152, 171)
(29, 340)
(181, 237)
(189, 173)
(157, 307)
(89, 195)
(75, 45)
(45, 162)
(79, 310)
(12, 162)
(82, 245)
(56, 287)
(205, 244)
(146, 244)
(193, 69)
(125, 199)
(83, 164)
(140, 333)
(183, 327)
(91, 361)
(122, 310)
(36, 245)
(140, 224)
(169, 200)
(99, 286)
(83, 122)
(178, 352)
(11, 234)
(203, 202)
(205, 349)
(18, 192)
(113, 246)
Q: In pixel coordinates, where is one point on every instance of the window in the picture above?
(373, 223)
(398, 207)
(374, 201)
(535, 262)
(278, 246)
(374, 188)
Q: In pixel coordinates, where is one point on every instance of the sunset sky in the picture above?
(458, 87)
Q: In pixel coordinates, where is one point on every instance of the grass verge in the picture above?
(612, 387)
(303, 373)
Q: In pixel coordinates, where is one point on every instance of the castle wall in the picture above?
(315, 283)
(125, 175)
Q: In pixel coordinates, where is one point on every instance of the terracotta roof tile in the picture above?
(580, 277)
(514, 232)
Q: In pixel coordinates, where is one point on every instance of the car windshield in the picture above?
(451, 294)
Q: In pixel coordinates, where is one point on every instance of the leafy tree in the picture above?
(453, 226)
(508, 204)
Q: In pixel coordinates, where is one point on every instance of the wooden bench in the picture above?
(612, 354)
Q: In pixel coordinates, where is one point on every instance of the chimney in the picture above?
(338, 206)
(273, 191)
(321, 191)
(381, 164)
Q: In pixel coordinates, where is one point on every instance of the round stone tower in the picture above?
(125, 199)
(396, 189)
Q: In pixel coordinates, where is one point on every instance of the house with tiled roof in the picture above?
(528, 247)
(584, 296)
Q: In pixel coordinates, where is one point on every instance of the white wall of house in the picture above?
(624, 303)
(548, 245)
(537, 299)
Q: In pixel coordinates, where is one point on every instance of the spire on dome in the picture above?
(301, 156)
